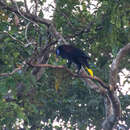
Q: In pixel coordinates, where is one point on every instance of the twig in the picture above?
(26, 30)
(11, 73)
(23, 15)
(12, 37)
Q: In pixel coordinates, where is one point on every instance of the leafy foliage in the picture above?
(100, 33)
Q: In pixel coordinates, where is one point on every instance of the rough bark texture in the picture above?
(115, 64)
(113, 106)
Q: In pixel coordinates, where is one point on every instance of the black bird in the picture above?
(75, 55)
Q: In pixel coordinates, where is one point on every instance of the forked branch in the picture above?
(115, 65)
(112, 105)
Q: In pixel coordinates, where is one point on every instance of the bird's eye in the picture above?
(57, 51)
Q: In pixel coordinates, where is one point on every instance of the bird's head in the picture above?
(57, 52)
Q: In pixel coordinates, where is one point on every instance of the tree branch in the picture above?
(26, 14)
(113, 109)
(34, 18)
(26, 6)
(112, 105)
(115, 64)
(83, 75)
(13, 38)
(11, 73)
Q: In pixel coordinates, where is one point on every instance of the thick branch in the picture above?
(113, 107)
(26, 14)
(26, 7)
(113, 111)
(90, 81)
(36, 19)
(115, 65)
(83, 75)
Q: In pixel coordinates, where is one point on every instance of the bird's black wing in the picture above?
(76, 52)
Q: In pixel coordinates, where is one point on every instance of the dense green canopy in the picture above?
(28, 95)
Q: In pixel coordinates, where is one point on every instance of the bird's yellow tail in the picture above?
(90, 71)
